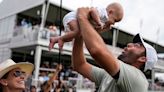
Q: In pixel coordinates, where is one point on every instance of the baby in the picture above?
(100, 18)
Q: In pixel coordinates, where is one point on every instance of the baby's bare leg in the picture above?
(74, 29)
(70, 34)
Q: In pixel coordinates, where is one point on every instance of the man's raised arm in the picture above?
(78, 60)
(95, 44)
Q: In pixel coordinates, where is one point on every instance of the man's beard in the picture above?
(122, 58)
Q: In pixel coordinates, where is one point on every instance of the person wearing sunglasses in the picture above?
(13, 75)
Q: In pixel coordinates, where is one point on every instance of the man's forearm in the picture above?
(77, 53)
(95, 16)
(80, 63)
(91, 38)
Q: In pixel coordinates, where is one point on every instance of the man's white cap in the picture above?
(151, 53)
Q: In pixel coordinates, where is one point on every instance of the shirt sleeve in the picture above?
(98, 74)
(131, 79)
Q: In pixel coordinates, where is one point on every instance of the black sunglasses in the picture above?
(19, 73)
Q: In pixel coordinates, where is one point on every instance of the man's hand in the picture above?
(59, 67)
(83, 13)
(101, 30)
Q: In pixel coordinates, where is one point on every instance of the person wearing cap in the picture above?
(13, 75)
(122, 74)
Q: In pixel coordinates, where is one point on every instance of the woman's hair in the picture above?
(3, 77)
(32, 86)
(0, 87)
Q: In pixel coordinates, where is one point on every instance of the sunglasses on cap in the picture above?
(19, 73)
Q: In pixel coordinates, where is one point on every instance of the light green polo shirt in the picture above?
(130, 79)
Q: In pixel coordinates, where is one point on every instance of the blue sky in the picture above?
(141, 16)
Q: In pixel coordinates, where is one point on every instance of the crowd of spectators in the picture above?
(158, 85)
(66, 81)
(25, 27)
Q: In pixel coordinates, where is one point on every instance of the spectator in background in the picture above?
(47, 86)
(43, 76)
(51, 32)
(24, 23)
(33, 89)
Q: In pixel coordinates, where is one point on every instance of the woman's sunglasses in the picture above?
(19, 73)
